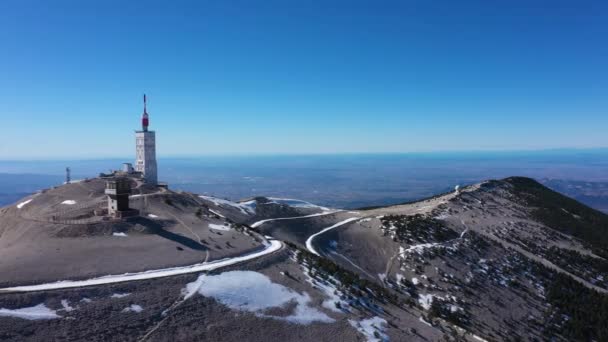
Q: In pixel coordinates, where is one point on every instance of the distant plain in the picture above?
(344, 180)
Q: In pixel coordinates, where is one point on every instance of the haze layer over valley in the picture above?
(344, 181)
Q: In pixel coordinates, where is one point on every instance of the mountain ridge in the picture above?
(487, 262)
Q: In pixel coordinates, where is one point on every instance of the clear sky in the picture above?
(240, 77)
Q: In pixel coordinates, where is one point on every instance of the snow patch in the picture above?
(425, 300)
(66, 305)
(216, 213)
(254, 292)
(371, 328)
(418, 248)
(121, 234)
(479, 338)
(425, 322)
(39, 311)
(329, 290)
(399, 277)
(152, 216)
(69, 202)
(133, 308)
(219, 226)
(20, 205)
(119, 295)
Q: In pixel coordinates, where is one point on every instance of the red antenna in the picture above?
(144, 118)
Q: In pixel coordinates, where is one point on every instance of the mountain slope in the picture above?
(501, 260)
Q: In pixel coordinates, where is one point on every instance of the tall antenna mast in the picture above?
(144, 117)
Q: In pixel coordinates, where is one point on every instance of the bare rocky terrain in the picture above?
(504, 260)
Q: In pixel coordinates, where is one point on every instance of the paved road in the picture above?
(272, 247)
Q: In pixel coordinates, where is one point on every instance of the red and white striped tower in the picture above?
(145, 150)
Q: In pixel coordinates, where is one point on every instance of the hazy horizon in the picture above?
(341, 180)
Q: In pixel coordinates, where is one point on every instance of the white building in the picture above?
(145, 150)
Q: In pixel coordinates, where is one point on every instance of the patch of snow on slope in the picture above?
(39, 311)
(419, 248)
(442, 216)
(479, 338)
(252, 204)
(245, 209)
(399, 277)
(254, 292)
(121, 234)
(20, 205)
(425, 300)
(69, 202)
(152, 216)
(371, 328)
(216, 213)
(219, 226)
(133, 308)
(329, 290)
(425, 322)
(66, 305)
(119, 295)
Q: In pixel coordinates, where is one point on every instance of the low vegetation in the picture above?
(564, 214)
(411, 228)
(579, 313)
(355, 284)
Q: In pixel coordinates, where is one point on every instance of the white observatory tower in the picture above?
(145, 150)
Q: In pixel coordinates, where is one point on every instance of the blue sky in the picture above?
(250, 77)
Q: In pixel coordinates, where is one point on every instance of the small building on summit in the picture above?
(118, 191)
(145, 150)
(127, 168)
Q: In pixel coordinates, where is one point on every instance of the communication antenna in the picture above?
(67, 175)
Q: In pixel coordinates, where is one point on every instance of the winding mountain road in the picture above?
(272, 247)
